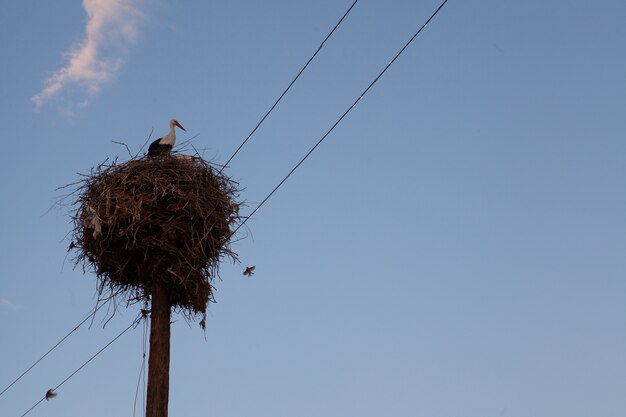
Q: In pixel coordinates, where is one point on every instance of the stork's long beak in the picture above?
(179, 125)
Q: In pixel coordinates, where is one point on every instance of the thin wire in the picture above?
(52, 348)
(342, 116)
(143, 365)
(290, 84)
(145, 344)
(83, 365)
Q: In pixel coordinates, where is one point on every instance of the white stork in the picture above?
(164, 145)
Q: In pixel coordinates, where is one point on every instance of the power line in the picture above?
(84, 364)
(90, 315)
(406, 45)
(142, 371)
(289, 86)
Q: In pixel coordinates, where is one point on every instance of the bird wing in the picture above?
(154, 145)
(158, 148)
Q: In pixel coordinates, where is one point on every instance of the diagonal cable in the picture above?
(85, 364)
(90, 315)
(289, 86)
(406, 45)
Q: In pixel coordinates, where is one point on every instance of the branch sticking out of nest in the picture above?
(167, 219)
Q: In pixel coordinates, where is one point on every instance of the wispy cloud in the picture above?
(112, 26)
(4, 303)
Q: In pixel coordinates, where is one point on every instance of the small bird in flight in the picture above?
(249, 271)
(164, 145)
(50, 394)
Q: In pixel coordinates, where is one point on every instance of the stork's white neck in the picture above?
(170, 138)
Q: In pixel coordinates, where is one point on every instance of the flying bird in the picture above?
(50, 394)
(249, 271)
(164, 145)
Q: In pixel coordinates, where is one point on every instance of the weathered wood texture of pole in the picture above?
(159, 362)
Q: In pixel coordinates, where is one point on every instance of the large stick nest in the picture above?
(168, 219)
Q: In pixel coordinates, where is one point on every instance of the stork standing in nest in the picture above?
(164, 145)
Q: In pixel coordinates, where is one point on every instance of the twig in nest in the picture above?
(130, 155)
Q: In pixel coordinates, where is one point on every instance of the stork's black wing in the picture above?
(157, 148)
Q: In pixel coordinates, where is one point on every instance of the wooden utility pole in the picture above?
(159, 361)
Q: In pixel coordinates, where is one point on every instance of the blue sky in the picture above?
(454, 249)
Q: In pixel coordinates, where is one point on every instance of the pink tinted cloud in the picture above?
(111, 29)
(4, 303)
